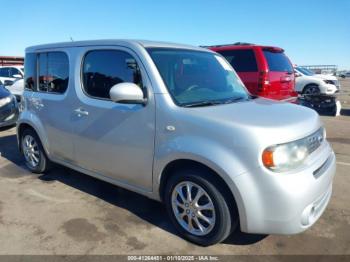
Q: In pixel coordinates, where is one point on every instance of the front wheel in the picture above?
(311, 90)
(198, 209)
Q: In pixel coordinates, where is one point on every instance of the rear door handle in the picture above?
(81, 112)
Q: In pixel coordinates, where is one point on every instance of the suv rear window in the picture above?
(278, 62)
(241, 60)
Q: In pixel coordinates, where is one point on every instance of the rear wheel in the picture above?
(197, 208)
(311, 90)
(33, 152)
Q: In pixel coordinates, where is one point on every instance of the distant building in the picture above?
(11, 60)
(319, 69)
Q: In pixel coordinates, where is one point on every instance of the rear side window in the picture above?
(102, 69)
(241, 60)
(278, 62)
(53, 72)
(30, 72)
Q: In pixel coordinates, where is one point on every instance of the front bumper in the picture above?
(9, 114)
(330, 89)
(286, 203)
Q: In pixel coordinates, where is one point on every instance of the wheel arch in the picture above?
(233, 198)
(25, 125)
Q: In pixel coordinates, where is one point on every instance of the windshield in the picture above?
(198, 78)
(305, 71)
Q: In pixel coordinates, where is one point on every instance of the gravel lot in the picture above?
(65, 212)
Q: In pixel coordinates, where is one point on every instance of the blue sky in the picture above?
(311, 31)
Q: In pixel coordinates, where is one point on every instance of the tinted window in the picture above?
(241, 60)
(14, 71)
(30, 72)
(4, 72)
(102, 69)
(278, 62)
(53, 72)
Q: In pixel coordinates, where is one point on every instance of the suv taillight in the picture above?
(263, 82)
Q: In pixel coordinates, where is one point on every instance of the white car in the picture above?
(11, 73)
(12, 79)
(307, 82)
(17, 88)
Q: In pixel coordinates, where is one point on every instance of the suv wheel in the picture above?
(33, 152)
(197, 208)
(311, 90)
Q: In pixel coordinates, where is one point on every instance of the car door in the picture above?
(114, 140)
(51, 104)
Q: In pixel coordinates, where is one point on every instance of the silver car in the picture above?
(176, 124)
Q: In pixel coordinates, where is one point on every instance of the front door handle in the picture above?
(81, 112)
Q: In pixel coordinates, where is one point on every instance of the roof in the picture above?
(111, 42)
(242, 45)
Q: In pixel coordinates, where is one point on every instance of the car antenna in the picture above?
(71, 39)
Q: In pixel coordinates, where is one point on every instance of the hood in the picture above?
(326, 77)
(4, 92)
(312, 78)
(272, 121)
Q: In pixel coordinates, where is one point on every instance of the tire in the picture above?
(311, 90)
(224, 221)
(33, 152)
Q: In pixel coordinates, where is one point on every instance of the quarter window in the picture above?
(102, 69)
(241, 60)
(30, 72)
(53, 72)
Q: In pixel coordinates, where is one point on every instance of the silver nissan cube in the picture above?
(176, 124)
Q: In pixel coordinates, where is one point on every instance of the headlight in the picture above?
(330, 82)
(285, 157)
(5, 101)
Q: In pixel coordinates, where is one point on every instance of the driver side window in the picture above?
(15, 71)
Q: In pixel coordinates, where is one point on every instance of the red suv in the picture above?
(265, 70)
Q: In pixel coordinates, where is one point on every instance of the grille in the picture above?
(315, 140)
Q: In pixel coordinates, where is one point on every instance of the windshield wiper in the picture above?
(203, 103)
(232, 100)
(214, 102)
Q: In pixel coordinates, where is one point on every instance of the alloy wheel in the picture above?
(31, 151)
(193, 208)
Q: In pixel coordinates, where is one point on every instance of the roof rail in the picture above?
(237, 43)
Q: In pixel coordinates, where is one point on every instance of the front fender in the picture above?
(218, 158)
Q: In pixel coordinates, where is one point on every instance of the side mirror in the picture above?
(127, 93)
(17, 76)
(8, 83)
